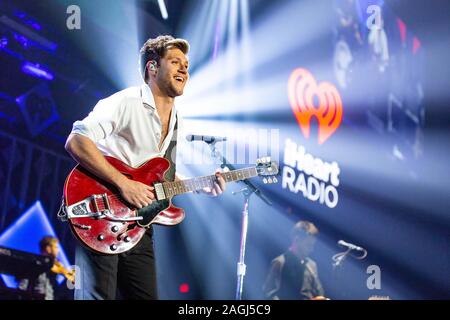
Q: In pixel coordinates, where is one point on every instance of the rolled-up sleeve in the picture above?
(102, 121)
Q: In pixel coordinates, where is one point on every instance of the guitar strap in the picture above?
(171, 153)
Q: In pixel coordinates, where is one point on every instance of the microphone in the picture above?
(350, 245)
(207, 139)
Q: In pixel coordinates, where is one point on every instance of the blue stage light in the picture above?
(3, 42)
(37, 70)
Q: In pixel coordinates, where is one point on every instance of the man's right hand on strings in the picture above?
(136, 193)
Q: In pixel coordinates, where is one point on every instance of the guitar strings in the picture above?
(172, 185)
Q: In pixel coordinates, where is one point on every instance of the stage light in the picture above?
(163, 9)
(36, 70)
(24, 42)
(30, 37)
(28, 20)
(184, 288)
(3, 42)
(247, 73)
(38, 109)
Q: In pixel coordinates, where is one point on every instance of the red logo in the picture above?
(302, 88)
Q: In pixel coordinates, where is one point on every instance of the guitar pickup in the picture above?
(159, 191)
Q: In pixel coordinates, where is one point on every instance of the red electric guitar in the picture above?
(106, 223)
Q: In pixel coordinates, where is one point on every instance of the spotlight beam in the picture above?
(163, 9)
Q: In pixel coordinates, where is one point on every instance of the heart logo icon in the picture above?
(302, 89)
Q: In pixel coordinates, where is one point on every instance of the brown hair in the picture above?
(304, 228)
(47, 241)
(155, 49)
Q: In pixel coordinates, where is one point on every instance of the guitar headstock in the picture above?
(268, 169)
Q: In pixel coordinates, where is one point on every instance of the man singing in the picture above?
(133, 125)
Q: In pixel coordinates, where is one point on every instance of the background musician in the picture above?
(293, 275)
(45, 285)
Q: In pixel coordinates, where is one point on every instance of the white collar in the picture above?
(147, 96)
(148, 100)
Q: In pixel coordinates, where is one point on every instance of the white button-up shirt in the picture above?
(127, 126)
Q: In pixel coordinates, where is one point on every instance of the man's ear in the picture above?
(150, 69)
(152, 65)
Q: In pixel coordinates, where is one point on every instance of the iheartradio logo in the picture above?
(302, 89)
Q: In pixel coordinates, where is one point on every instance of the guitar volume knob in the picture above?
(127, 239)
(113, 247)
(114, 228)
(101, 237)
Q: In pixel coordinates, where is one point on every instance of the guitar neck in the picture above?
(179, 187)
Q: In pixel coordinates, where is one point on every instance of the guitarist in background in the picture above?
(293, 275)
(45, 285)
(133, 125)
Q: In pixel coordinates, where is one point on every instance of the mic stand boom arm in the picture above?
(225, 164)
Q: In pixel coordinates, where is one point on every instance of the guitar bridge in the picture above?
(81, 208)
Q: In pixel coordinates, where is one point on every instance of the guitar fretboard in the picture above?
(179, 187)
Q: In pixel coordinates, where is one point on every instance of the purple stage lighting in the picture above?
(28, 20)
(3, 42)
(24, 41)
(36, 70)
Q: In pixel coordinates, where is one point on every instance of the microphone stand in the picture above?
(340, 257)
(247, 191)
(338, 261)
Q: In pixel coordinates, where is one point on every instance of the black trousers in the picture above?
(130, 275)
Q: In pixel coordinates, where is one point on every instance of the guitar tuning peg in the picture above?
(265, 180)
(258, 161)
(268, 159)
(275, 180)
(269, 179)
(263, 160)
